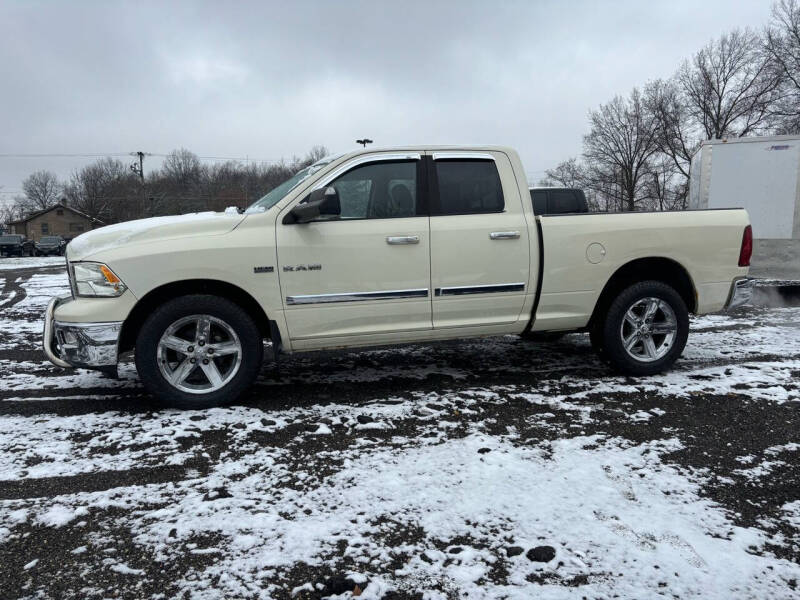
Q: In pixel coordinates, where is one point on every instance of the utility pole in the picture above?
(139, 169)
(364, 142)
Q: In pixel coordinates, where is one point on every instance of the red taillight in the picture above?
(747, 247)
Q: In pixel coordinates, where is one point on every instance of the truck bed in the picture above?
(583, 251)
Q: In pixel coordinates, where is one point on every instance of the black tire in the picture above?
(613, 349)
(147, 355)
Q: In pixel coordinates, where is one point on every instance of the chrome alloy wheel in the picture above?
(649, 329)
(199, 354)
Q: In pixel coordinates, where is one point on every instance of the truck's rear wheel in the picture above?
(198, 351)
(645, 329)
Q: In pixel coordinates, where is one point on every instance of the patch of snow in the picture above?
(124, 569)
(59, 515)
(611, 510)
(792, 510)
(30, 262)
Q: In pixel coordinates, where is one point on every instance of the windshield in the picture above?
(50, 239)
(271, 198)
(10, 239)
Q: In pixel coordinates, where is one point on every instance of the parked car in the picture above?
(558, 201)
(16, 245)
(50, 245)
(386, 247)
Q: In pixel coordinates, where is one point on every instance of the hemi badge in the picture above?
(263, 269)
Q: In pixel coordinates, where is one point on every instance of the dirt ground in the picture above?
(493, 468)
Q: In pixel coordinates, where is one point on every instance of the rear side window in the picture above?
(539, 198)
(563, 201)
(468, 187)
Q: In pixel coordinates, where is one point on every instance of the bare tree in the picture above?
(12, 210)
(108, 191)
(569, 173)
(678, 135)
(182, 167)
(730, 85)
(42, 190)
(102, 190)
(316, 153)
(782, 45)
(663, 190)
(618, 148)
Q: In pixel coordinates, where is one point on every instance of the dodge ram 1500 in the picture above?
(381, 247)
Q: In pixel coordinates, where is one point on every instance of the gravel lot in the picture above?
(485, 469)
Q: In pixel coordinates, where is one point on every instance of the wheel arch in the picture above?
(665, 270)
(157, 296)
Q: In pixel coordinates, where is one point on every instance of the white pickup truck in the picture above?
(382, 247)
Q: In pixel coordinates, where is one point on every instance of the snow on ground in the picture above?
(484, 468)
(30, 262)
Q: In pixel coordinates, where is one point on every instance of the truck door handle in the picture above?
(504, 235)
(396, 240)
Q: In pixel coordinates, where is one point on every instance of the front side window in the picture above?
(380, 190)
(468, 187)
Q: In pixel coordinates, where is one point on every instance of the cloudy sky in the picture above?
(271, 79)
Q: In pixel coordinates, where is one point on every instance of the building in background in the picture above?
(761, 174)
(56, 220)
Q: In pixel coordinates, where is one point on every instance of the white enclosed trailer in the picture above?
(761, 174)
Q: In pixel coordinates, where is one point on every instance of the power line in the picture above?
(239, 158)
(120, 154)
(63, 155)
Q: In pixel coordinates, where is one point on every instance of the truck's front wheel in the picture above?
(198, 351)
(645, 329)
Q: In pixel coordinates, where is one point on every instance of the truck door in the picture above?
(367, 271)
(479, 240)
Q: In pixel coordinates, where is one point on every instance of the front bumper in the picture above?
(741, 293)
(88, 345)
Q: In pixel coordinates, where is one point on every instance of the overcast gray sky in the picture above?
(269, 80)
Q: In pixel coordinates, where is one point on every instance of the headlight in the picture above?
(96, 279)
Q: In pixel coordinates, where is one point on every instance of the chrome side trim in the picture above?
(360, 160)
(480, 289)
(356, 296)
(465, 155)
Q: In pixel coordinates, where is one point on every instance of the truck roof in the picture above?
(751, 139)
(430, 148)
(551, 187)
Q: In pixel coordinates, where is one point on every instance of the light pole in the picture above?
(364, 142)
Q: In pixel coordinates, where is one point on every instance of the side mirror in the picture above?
(323, 202)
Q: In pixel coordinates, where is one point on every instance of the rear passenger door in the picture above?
(479, 240)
